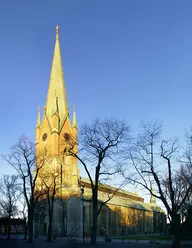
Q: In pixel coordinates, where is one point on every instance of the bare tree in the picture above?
(63, 200)
(23, 159)
(24, 213)
(51, 187)
(9, 190)
(153, 160)
(185, 176)
(101, 153)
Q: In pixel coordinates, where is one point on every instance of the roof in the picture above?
(124, 201)
(128, 193)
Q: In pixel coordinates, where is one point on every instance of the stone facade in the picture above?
(125, 213)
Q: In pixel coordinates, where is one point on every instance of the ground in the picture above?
(59, 243)
(136, 237)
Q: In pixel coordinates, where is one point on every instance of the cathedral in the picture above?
(125, 213)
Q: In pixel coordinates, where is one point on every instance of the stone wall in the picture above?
(114, 219)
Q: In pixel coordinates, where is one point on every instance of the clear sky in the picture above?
(130, 59)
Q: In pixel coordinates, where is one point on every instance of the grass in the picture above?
(136, 237)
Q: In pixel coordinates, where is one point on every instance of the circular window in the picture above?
(44, 137)
(66, 136)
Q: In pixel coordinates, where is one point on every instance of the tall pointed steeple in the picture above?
(57, 84)
(74, 122)
(38, 118)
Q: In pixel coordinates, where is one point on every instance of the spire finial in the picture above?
(45, 110)
(38, 117)
(57, 32)
(74, 123)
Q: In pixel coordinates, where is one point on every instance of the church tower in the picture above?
(55, 127)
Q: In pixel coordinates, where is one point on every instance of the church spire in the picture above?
(74, 122)
(57, 84)
(38, 118)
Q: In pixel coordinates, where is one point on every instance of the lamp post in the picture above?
(61, 175)
(160, 227)
(141, 215)
(82, 192)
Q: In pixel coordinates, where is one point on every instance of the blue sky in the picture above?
(130, 59)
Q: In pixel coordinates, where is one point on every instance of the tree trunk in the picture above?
(30, 225)
(95, 217)
(25, 235)
(175, 226)
(49, 234)
(9, 228)
(64, 230)
(26, 229)
(94, 234)
(30, 237)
